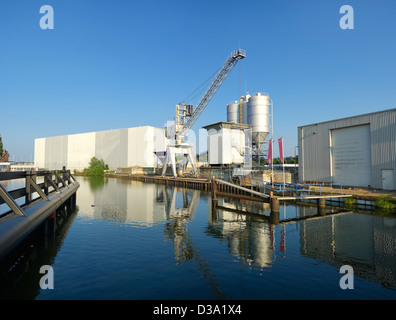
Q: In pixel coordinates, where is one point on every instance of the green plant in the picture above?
(384, 203)
(96, 168)
(350, 202)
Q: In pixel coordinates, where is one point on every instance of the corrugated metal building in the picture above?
(355, 151)
(120, 148)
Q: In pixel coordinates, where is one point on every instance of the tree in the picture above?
(1, 146)
(277, 161)
(96, 168)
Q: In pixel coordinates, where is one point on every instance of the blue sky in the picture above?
(119, 64)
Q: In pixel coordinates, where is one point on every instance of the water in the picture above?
(130, 240)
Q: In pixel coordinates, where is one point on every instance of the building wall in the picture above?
(315, 142)
(118, 148)
(226, 145)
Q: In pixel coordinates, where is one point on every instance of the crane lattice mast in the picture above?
(186, 117)
(225, 70)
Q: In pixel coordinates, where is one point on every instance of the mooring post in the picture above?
(214, 189)
(322, 206)
(274, 214)
(274, 201)
(214, 210)
(322, 202)
(274, 217)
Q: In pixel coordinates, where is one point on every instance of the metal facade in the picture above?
(315, 154)
(119, 148)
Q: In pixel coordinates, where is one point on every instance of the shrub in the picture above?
(96, 168)
(384, 203)
(350, 203)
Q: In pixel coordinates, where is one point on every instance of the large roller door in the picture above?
(351, 156)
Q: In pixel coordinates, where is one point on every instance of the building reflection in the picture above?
(122, 201)
(366, 242)
(250, 236)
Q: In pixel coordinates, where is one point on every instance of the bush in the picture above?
(96, 168)
(350, 203)
(384, 203)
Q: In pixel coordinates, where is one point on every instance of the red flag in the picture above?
(280, 141)
(269, 160)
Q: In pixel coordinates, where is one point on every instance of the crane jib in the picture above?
(210, 92)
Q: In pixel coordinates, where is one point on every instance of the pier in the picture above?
(45, 196)
(251, 190)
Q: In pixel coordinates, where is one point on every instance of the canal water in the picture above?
(142, 241)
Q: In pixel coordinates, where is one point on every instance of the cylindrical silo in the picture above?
(259, 117)
(245, 103)
(232, 112)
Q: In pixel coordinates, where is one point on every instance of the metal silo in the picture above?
(232, 112)
(259, 117)
(245, 119)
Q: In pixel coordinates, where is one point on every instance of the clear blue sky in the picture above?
(124, 63)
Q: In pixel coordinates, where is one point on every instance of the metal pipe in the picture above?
(14, 228)
(242, 188)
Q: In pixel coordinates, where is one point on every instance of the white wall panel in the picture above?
(81, 149)
(118, 148)
(39, 153)
(351, 156)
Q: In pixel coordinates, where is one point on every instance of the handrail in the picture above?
(13, 175)
(276, 187)
(52, 179)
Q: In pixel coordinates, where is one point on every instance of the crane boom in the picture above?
(186, 117)
(225, 70)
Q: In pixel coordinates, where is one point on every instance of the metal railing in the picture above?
(278, 188)
(53, 181)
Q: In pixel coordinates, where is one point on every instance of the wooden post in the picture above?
(322, 206)
(322, 202)
(214, 189)
(274, 201)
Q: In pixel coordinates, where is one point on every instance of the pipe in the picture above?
(14, 228)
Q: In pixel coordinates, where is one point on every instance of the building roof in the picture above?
(359, 115)
(231, 125)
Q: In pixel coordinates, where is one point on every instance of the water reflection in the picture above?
(250, 237)
(366, 242)
(19, 271)
(176, 230)
(121, 201)
(192, 235)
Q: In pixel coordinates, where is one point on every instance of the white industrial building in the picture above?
(119, 148)
(355, 151)
(227, 142)
(245, 132)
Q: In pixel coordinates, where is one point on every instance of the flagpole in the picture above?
(272, 163)
(283, 165)
(282, 158)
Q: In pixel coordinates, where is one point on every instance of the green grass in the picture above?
(350, 203)
(384, 203)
